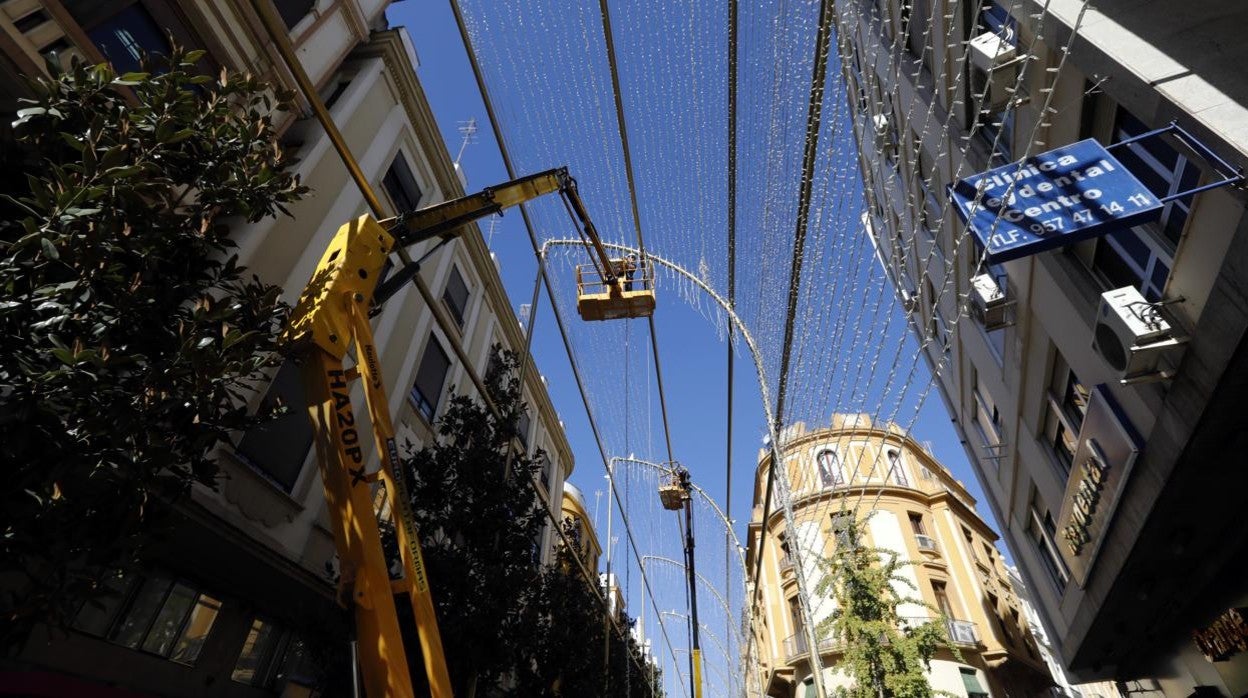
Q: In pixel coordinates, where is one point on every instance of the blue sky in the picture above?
(549, 85)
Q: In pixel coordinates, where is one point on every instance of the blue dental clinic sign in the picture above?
(1073, 193)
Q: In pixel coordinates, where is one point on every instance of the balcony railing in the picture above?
(925, 542)
(962, 632)
(796, 645)
(786, 566)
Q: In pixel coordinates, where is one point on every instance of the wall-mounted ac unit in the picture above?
(883, 132)
(994, 70)
(1132, 335)
(989, 302)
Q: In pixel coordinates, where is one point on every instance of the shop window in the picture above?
(279, 447)
(455, 296)
(400, 185)
(829, 468)
(273, 657)
(153, 613)
(430, 377)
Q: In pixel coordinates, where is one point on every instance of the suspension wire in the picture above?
(817, 81)
(732, 266)
(529, 229)
(632, 196)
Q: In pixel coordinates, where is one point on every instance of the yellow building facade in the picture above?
(573, 510)
(908, 503)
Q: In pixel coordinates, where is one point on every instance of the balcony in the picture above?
(926, 543)
(795, 646)
(962, 632)
(786, 567)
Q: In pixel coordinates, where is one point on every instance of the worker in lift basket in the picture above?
(629, 269)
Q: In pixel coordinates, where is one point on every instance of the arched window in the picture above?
(896, 473)
(829, 468)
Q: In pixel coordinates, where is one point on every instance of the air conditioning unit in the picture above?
(1132, 335)
(989, 302)
(884, 143)
(993, 70)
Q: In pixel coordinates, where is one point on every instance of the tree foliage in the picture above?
(883, 653)
(129, 334)
(505, 619)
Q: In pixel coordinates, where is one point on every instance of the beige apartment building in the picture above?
(1106, 447)
(229, 602)
(907, 503)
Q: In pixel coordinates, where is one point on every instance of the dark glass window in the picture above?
(126, 36)
(293, 10)
(430, 377)
(155, 614)
(279, 447)
(272, 656)
(522, 428)
(455, 296)
(400, 184)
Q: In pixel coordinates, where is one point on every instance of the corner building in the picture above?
(231, 603)
(908, 503)
(1108, 449)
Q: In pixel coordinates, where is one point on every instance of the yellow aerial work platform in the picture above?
(630, 294)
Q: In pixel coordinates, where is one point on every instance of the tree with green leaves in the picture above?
(130, 336)
(505, 619)
(883, 654)
(570, 634)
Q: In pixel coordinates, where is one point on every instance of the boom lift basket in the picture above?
(598, 299)
(672, 493)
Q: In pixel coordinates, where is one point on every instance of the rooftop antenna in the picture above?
(489, 240)
(468, 129)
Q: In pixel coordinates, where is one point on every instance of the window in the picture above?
(782, 544)
(994, 337)
(917, 22)
(154, 614)
(279, 447)
(925, 473)
(916, 524)
(896, 471)
(936, 328)
(544, 472)
(271, 656)
(987, 418)
(988, 553)
(942, 600)
(829, 468)
(1067, 404)
(970, 542)
(430, 377)
(124, 37)
(522, 427)
(842, 528)
(400, 184)
(1142, 257)
(455, 296)
(1043, 532)
(970, 681)
(293, 10)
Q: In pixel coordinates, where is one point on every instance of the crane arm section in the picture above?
(445, 219)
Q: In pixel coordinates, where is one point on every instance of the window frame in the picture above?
(835, 475)
(426, 406)
(458, 314)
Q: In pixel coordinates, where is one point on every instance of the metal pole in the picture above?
(695, 657)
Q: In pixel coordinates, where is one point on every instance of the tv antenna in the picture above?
(468, 129)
